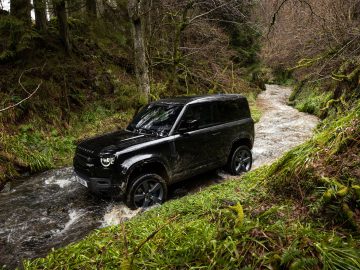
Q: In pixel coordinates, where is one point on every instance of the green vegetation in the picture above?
(255, 110)
(310, 99)
(282, 76)
(294, 214)
(323, 172)
(329, 98)
(39, 148)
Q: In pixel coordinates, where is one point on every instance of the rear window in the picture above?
(228, 111)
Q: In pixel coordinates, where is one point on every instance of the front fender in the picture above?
(131, 163)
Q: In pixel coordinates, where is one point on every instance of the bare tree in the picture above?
(191, 34)
(311, 37)
(136, 13)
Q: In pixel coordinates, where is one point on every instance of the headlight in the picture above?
(107, 161)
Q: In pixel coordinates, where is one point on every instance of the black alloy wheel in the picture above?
(147, 190)
(241, 160)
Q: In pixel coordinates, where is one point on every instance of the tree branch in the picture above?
(23, 87)
(273, 20)
(208, 12)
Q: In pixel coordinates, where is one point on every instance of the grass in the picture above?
(39, 148)
(255, 110)
(309, 98)
(314, 103)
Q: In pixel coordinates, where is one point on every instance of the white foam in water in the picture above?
(60, 182)
(117, 213)
(74, 216)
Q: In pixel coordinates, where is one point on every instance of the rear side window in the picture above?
(228, 111)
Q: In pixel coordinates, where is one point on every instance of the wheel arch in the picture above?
(147, 165)
(238, 142)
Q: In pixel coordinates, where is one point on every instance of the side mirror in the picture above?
(188, 125)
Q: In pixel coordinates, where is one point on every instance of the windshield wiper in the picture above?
(146, 131)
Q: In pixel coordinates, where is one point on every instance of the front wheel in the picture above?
(241, 160)
(145, 191)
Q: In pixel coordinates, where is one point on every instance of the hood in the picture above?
(112, 142)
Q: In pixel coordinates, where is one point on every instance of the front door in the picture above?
(196, 149)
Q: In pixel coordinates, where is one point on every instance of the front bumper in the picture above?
(100, 186)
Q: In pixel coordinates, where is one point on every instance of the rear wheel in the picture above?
(145, 191)
(241, 160)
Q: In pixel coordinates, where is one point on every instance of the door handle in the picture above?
(215, 133)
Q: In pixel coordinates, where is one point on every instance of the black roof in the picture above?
(202, 98)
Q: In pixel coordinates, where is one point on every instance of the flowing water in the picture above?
(51, 210)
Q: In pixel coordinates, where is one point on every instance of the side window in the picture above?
(233, 110)
(200, 112)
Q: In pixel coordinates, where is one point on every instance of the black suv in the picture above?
(168, 141)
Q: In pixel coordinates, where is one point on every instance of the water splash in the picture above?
(60, 180)
(117, 213)
(62, 183)
(74, 216)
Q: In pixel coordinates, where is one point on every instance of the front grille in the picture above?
(83, 162)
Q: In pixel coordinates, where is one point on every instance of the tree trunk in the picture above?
(176, 56)
(40, 14)
(60, 11)
(141, 65)
(91, 9)
(21, 9)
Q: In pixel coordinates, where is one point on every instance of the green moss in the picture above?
(255, 110)
(314, 103)
(310, 98)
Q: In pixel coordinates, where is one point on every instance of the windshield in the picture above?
(155, 119)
